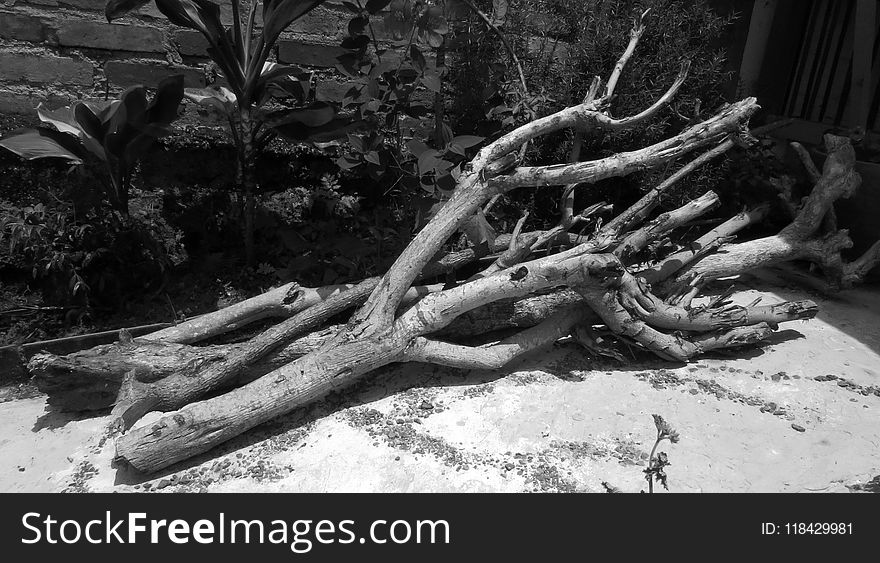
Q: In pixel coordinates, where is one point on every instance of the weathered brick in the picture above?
(150, 10)
(322, 22)
(332, 90)
(22, 26)
(110, 36)
(309, 54)
(17, 102)
(128, 73)
(191, 43)
(92, 5)
(45, 69)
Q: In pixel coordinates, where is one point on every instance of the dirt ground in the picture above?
(801, 414)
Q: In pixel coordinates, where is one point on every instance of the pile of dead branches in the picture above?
(544, 285)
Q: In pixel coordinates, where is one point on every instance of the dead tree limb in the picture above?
(564, 290)
(798, 240)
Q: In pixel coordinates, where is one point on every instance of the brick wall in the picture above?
(57, 51)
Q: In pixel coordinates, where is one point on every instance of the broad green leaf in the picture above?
(355, 43)
(427, 161)
(278, 14)
(357, 143)
(373, 157)
(61, 118)
(376, 6)
(418, 59)
(218, 98)
(432, 82)
(345, 163)
(163, 107)
(283, 76)
(467, 141)
(88, 122)
(105, 110)
(117, 8)
(357, 26)
(417, 147)
(133, 110)
(32, 144)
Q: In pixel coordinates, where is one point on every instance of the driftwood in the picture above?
(535, 286)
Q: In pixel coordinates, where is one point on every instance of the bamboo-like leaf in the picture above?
(117, 8)
(42, 142)
(278, 14)
(204, 16)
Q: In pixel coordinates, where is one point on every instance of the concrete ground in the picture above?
(801, 414)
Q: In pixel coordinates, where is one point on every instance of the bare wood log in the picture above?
(283, 301)
(665, 223)
(635, 296)
(474, 190)
(90, 380)
(855, 271)
(635, 34)
(708, 133)
(706, 243)
(172, 392)
(200, 426)
(497, 355)
(673, 347)
(795, 241)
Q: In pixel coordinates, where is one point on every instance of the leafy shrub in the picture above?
(397, 92)
(92, 257)
(264, 99)
(111, 135)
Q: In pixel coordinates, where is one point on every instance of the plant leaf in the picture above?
(278, 14)
(467, 141)
(32, 144)
(204, 16)
(163, 107)
(417, 147)
(61, 118)
(218, 98)
(376, 6)
(88, 122)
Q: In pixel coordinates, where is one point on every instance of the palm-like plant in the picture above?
(112, 135)
(242, 55)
